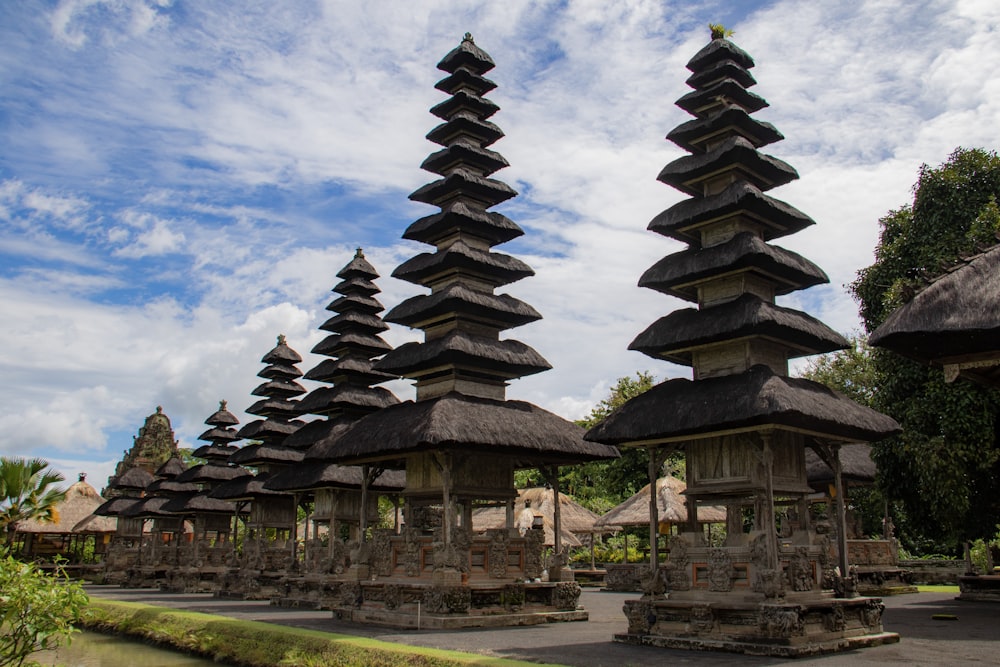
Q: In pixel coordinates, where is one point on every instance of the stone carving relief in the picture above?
(871, 615)
(776, 621)
(640, 616)
(566, 595)
(391, 596)
(381, 552)
(512, 597)
(835, 620)
(702, 619)
(498, 550)
(720, 571)
(533, 553)
(411, 553)
(800, 572)
(678, 575)
(447, 599)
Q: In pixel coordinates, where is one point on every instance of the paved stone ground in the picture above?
(973, 638)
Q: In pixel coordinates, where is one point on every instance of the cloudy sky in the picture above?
(180, 181)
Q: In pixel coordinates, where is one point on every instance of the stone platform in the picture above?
(979, 588)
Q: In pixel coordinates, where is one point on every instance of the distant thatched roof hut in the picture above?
(670, 503)
(575, 519)
(855, 460)
(954, 322)
(76, 510)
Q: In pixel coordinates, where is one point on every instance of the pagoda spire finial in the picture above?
(359, 253)
(468, 38)
(281, 339)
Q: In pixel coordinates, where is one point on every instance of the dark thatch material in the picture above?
(354, 319)
(279, 388)
(199, 503)
(718, 51)
(316, 431)
(134, 478)
(464, 79)
(281, 354)
(357, 285)
(672, 336)
(722, 70)
(466, 153)
(173, 467)
(330, 370)
(776, 218)
(734, 90)
(355, 301)
(146, 508)
(259, 454)
(211, 473)
(488, 190)
(467, 56)
(222, 417)
(752, 399)
(856, 465)
(80, 502)
(496, 268)
(244, 488)
(955, 318)
(116, 506)
(323, 400)
(501, 309)
(96, 524)
(679, 273)
(687, 173)
(218, 435)
(459, 422)
(493, 227)
(336, 345)
(670, 504)
(688, 135)
(311, 475)
(215, 451)
(505, 358)
(171, 487)
(280, 371)
(271, 429)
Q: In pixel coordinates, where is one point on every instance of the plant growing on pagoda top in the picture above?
(720, 31)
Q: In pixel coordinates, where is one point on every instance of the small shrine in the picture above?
(343, 499)
(742, 422)
(461, 440)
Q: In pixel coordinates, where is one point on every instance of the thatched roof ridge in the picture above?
(463, 180)
(731, 89)
(80, 502)
(755, 398)
(338, 344)
(502, 309)
(171, 487)
(356, 285)
(465, 152)
(672, 336)
(678, 274)
(494, 227)
(316, 431)
(459, 422)
(670, 503)
(957, 315)
(148, 507)
(505, 358)
(759, 133)
(215, 451)
(356, 302)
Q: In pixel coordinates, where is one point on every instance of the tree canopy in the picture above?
(27, 492)
(945, 466)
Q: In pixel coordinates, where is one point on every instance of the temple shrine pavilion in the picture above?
(742, 422)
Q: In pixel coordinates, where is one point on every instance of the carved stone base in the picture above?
(984, 588)
(408, 604)
(790, 628)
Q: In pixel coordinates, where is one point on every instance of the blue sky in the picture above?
(180, 181)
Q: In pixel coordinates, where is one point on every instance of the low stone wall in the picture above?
(934, 571)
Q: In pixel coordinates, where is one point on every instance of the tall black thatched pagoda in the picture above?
(461, 440)
(742, 422)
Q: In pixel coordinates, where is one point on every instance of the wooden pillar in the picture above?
(652, 471)
(767, 522)
(838, 482)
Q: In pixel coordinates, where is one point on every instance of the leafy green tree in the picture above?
(945, 466)
(37, 610)
(850, 372)
(27, 492)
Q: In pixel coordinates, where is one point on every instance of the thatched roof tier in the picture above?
(753, 400)
(681, 273)
(278, 388)
(171, 468)
(465, 101)
(954, 320)
(675, 336)
(719, 51)
(147, 508)
(222, 417)
(356, 285)
(467, 56)
(458, 422)
(734, 158)
(280, 371)
(325, 400)
(80, 502)
(339, 344)
(317, 431)
(134, 478)
(856, 465)
(358, 369)
(670, 503)
(464, 128)
(311, 475)
(215, 451)
(262, 454)
(463, 153)
(467, 182)
(499, 310)
(464, 79)
(355, 302)
(217, 435)
(211, 473)
(735, 91)
(271, 429)
(244, 488)
(199, 503)
(721, 70)
(358, 267)
(507, 359)
(354, 319)
(171, 487)
(692, 135)
(772, 218)
(493, 268)
(116, 506)
(281, 354)
(494, 228)
(96, 524)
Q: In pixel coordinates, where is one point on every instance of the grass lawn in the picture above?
(938, 588)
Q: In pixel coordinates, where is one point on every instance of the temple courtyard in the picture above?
(970, 638)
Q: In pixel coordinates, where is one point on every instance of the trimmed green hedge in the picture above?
(255, 644)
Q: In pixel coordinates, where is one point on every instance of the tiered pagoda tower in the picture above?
(150, 449)
(264, 558)
(461, 441)
(340, 492)
(743, 423)
(212, 518)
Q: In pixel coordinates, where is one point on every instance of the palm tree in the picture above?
(26, 492)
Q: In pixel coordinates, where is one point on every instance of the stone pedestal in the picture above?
(980, 588)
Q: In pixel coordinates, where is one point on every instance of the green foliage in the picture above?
(720, 31)
(37, 610)
(945, 467)
(850, 372)
(254, 644)
(26, 492)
